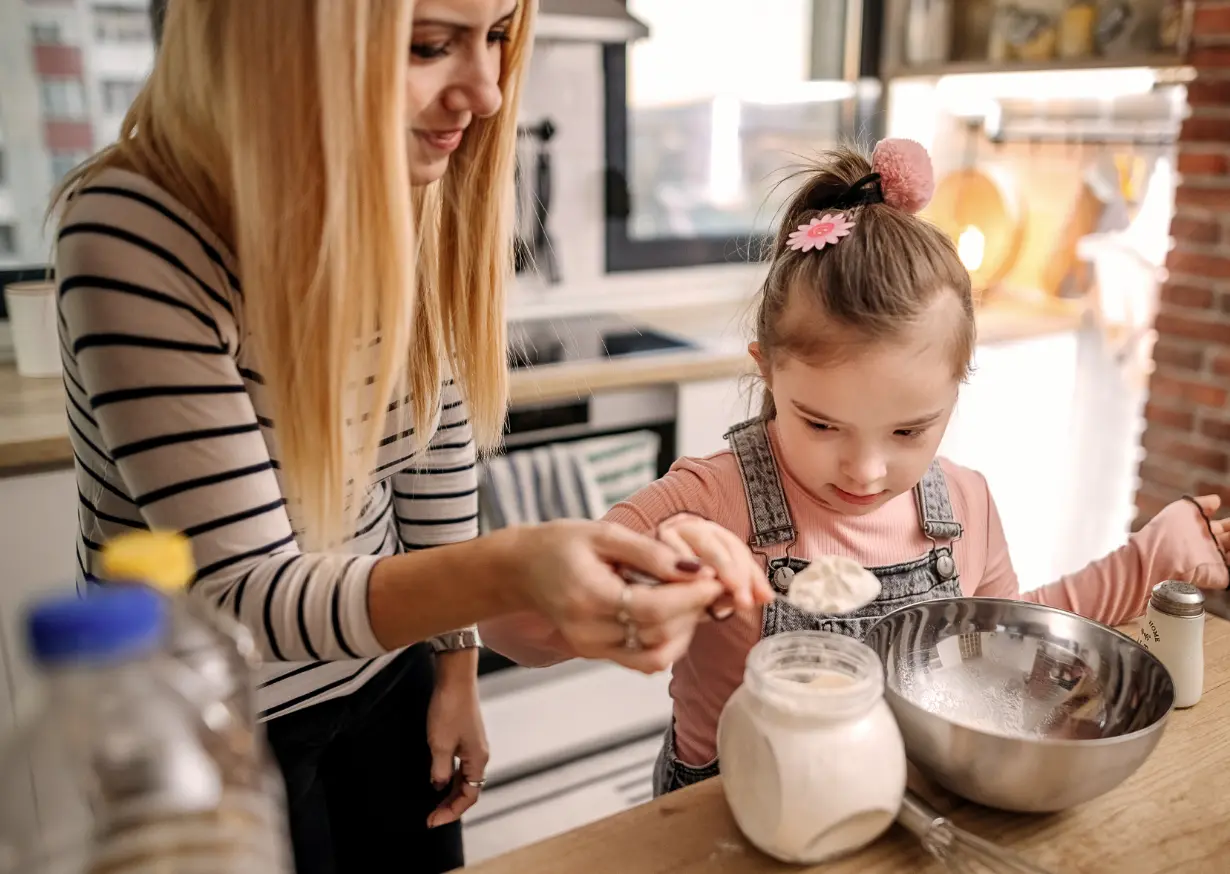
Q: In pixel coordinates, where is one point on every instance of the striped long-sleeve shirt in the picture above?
(171, 429)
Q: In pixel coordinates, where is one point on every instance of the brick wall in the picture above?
(1187, 436)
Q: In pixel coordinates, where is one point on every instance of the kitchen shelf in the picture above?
(957, 68)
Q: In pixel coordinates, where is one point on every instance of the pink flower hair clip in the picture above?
(820, 232)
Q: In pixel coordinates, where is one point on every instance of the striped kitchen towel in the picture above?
(577, 480)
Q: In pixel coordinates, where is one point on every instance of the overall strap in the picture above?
(762, 484)
(934, 506)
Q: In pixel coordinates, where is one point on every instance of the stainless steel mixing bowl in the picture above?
(1018, 706)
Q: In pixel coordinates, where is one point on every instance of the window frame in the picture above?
(625, 253)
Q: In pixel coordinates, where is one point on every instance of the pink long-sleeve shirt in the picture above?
(1111, 590)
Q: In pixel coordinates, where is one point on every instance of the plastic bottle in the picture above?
(214, 645)
(119, 780)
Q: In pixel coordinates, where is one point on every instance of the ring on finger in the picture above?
(632, 637)
(477, 784)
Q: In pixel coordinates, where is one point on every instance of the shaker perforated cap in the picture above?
(1176, 598)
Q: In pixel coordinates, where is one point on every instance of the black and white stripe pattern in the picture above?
(171, 430)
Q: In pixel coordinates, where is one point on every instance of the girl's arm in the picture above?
(1175, 544)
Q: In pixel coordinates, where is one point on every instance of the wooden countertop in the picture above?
(1170, 816)
(34, 429)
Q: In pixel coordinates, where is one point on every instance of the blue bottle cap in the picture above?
(110, 624)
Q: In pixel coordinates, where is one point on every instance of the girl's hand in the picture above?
(567, 571)
(1211, 574)
(733, 563)
(456, 735)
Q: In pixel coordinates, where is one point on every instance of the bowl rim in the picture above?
(1154, 726)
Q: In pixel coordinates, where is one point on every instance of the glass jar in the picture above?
(813, 764)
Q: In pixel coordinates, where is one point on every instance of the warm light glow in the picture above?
(972, 248)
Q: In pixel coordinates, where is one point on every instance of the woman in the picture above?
(281, 300)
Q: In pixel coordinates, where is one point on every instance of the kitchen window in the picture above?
(62, 98)
(705, 117)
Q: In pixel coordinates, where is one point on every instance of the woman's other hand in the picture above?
(456, 736)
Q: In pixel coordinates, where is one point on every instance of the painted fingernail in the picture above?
(721, 614)
(688, 565)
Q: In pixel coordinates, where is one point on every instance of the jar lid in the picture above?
(1176, 598)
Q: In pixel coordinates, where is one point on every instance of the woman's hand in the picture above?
(567, 571)
(732, 562)
(456, 735)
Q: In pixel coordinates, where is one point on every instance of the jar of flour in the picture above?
(813, 764)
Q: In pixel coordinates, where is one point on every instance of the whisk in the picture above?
(957, 849)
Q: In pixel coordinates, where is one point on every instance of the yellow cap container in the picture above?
(161, 559)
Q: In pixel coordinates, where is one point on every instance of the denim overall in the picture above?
(933, 575)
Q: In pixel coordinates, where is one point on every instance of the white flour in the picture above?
(833, 585)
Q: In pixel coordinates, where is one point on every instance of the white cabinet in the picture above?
(38, 531)
(708, 408)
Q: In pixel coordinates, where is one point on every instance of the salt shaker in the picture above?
(1173, 630)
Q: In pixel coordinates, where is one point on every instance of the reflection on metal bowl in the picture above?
(1019, 706)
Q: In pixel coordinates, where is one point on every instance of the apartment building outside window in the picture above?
(47, 33)
(118, 94)
(121, 24)
(62, 98)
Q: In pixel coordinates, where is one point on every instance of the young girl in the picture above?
(864, 335)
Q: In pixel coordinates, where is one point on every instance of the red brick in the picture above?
(1186, 295)
(1191, 195)
(1149, 502)
(1211, 21)
(1161, 445)
(1210, 330)
(1155, 414)
(1152, 471)
(1176, 354)
(1209, 92)
(1192, 230)
(1221, 365)
(1218, 429)
(1203, 129)
(1188, 390)
(1209, 57)
(1222, 490)
(1203, 163)
(1197, 264)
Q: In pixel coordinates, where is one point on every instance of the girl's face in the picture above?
(861, 431)
(453, 77)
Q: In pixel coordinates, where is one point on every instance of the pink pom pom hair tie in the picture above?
(906, 176)
(901, 177)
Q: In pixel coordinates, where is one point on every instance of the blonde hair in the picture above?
(284, 130)
(869, 286)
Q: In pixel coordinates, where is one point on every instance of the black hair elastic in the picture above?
(1208, 523)
(864, 192)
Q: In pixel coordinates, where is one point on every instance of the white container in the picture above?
(1173, 630)
(813, 764)
(32, 317)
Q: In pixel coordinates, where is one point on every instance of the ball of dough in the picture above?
(833, 585)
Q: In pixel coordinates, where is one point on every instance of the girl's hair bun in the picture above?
(906, 176)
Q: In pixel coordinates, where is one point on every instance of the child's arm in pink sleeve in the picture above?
(529, 639)
(1174, 545)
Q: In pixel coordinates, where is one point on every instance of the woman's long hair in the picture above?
(282, 125)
